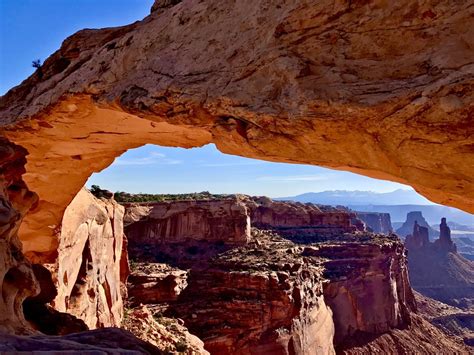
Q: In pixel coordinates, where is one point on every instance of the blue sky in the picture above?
(158, 169)
(31, 29)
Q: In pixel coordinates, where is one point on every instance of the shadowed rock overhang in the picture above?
(383, 89)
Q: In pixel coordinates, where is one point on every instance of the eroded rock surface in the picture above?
(378, 88)
(18, 281)
(88, 275)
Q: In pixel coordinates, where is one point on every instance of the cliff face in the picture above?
(184, 232)
(368, 287)
(299, 220)
(258, 299)
(89, 261)
(377, 222)
(299, 82)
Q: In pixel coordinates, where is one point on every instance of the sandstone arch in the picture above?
(384, 89)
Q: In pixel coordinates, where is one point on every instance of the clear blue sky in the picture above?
(31, 29)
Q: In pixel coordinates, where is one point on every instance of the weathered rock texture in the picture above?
(455, 322)
(155, 283)
(89, 261)
(18, 280)
(378, 88)
(376, 222)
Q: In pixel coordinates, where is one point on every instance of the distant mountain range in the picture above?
(344, 198)
(398, 203)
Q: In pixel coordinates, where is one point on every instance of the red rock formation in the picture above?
(156, 283)
(225, 221)
(368, 287)
(89, 261)
(167, 334)
(369, 87)
(261, 299)
(185, 232)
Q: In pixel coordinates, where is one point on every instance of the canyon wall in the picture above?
(368, 87)
(181, 231)
(368, 290)
(270, 295)
(89, 261)
(377, 222)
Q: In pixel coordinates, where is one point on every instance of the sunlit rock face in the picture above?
(89, 261)
(378, 88)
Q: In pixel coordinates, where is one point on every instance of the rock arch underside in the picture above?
(383, 89)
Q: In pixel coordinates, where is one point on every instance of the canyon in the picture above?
(317, 83)
(312, 283)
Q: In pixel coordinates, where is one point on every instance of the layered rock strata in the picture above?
(298, 220)
(89, 264)
(182, 231)
(298, 82)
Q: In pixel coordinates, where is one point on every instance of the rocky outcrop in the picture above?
(88, 274)
(408, 225)
(368, 288)
(418, 239)
(376, 222)
(437, 270)
(299, 82)
(455, 322)
(155, 283)
(420, 337)
(273, 295)
(444, 243)
(167, 334)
